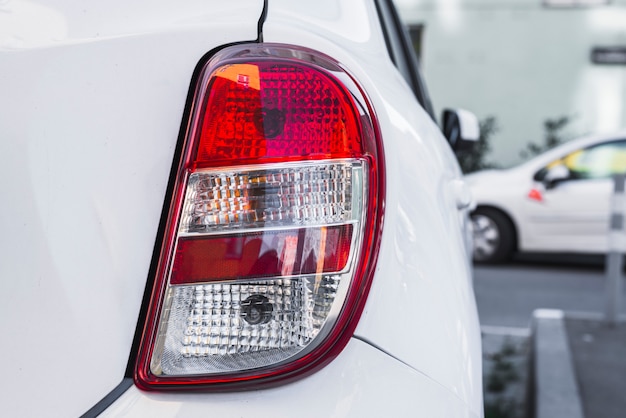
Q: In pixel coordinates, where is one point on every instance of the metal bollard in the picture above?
(614, 255)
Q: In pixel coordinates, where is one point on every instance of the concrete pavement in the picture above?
(599, 357)
(508, 295)
(579, 366)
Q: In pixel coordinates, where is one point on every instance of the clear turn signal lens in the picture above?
(297, 194)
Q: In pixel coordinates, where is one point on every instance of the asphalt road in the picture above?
(508, 294)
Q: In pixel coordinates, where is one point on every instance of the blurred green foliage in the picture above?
(475, 159)
(553, 136)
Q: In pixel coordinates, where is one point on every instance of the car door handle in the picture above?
(462, 194)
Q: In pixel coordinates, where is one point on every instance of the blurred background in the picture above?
(537, 74)
(535, 67)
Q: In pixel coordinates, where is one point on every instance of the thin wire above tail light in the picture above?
(273, 228)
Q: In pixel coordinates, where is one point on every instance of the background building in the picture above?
(524, 62)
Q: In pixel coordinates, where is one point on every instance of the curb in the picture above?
(555, 388)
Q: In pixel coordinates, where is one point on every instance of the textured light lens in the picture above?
(273, 226)
(276, 109)
(303, 194)
(208, 330)
(254, 290)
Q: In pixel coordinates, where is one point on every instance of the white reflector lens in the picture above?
(229, 327)
(303, 194)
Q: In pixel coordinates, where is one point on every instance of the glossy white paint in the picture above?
(92, 99)
(421, 307)
(572, 217)
(93, 123)
(361, 382)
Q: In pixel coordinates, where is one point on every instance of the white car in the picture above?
(558, 202)
(229, 209)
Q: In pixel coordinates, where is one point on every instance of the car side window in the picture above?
(595, 162)
(402, 53)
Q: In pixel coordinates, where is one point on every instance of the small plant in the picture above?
(496, 383)
(506, 371)
(500, 408)
(475, 159)
(508, 349)
(504, 366)
(503, 381)
(553, 136)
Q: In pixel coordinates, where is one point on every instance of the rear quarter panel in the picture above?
(421, 307)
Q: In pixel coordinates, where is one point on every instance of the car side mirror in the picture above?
(555, 175)
(461, 128)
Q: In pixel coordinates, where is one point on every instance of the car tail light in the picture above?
(535, 194)
(273, 228)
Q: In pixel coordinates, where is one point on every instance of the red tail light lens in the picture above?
(273, 227)
(274, 110)
(261, 254)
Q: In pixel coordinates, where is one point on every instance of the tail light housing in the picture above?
(273, 227)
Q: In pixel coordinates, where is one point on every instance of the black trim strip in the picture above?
(401, 52)
(386, 34)
(108, 400)
(411, 59)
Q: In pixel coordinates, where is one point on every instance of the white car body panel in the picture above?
(361, 382)
(79, 236)
(421, 233)
(572, 217)
(89, 120)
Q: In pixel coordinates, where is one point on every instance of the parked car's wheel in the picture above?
(494, 236)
